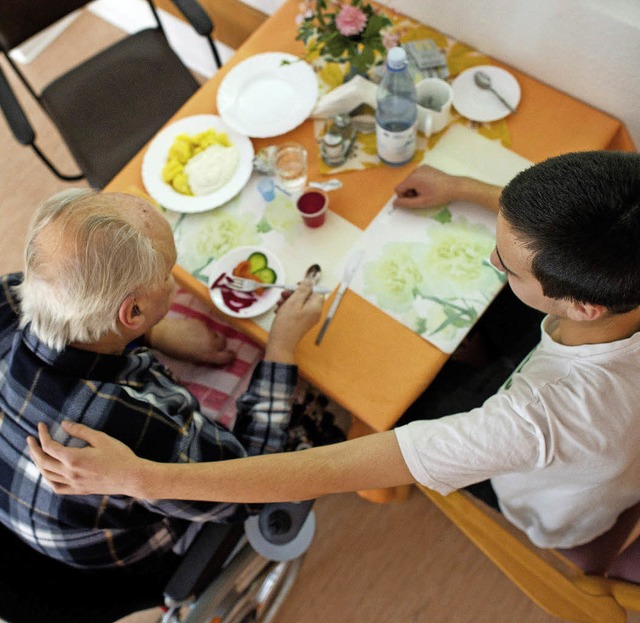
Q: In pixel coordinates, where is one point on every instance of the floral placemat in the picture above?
(430, 269)
(400, 29)
(248, 219)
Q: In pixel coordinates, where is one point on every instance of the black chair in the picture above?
(223, 574)
(109, 106)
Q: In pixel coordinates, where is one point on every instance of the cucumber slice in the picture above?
(257, 261)
(266, 275)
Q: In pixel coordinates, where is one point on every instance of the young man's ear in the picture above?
(585, 311)
(130, 315)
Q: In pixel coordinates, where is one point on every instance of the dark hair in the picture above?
(580, 215)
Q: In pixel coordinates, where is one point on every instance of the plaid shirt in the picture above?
(131, 397)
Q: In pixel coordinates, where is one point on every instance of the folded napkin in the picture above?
(348, 96)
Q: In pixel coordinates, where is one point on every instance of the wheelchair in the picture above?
(232, 573)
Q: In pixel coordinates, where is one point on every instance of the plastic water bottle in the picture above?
(396, 111)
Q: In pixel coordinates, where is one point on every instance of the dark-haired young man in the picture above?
(559, 441)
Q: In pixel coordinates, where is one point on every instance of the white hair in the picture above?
(75, 296)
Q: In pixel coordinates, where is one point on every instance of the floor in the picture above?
(368, 563)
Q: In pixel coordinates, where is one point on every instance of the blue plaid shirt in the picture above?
(133, 398)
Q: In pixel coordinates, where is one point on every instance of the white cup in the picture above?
(434, 104)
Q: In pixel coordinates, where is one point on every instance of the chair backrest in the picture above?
(21, 19)
(107, 107)
(551, 578)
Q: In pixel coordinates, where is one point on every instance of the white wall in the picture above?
(587, 48)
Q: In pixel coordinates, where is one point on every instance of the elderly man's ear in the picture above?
(130, 314)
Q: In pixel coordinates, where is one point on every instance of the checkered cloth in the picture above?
(315, 419)
(216, 387)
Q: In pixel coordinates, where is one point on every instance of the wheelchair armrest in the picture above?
(203, 561)
(14, 114)
(196, 15)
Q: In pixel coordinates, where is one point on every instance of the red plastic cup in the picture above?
(312, 205)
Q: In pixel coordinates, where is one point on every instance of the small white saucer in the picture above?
(479, 104)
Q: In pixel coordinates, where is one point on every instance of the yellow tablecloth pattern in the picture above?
(459, 57)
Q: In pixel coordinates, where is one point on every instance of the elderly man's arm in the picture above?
(189, 339)
(264, 410)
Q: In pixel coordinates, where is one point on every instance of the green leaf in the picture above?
(444, 216)
(263, 226)
(336, 45)
(375, 23)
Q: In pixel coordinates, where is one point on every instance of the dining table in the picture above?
(368, 362)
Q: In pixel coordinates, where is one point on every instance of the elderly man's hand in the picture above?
(297, 313)
(190, 340)
(105, 466)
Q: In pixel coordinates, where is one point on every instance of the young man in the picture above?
(559, 441)
(98, 280)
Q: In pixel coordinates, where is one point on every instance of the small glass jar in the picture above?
(337, 140)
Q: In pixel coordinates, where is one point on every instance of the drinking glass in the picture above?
(291, 166)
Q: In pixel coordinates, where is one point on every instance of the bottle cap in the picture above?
(397, 58)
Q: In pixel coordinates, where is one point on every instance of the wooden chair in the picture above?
(593, 583)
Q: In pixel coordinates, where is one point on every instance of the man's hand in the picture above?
(105, 466)
(428, 187)
(295, 316)
(190, 340)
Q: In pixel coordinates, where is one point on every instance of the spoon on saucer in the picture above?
(483, 80)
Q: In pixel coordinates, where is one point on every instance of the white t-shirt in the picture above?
(560, 441)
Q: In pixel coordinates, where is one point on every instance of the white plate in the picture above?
(478, 104)
(227, 263)
(158, 152)
(262, 97)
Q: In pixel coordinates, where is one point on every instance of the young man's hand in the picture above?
(105, 466)
(295, 316)
(428, 187)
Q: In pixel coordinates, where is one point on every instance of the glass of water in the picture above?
(290, 163)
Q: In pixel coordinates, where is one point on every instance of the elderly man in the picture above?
(97, 282)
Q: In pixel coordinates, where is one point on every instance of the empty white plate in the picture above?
(267, 94)
(479, 104)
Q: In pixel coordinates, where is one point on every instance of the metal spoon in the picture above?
(332, 184)
(483, 81)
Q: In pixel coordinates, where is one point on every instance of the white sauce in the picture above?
(211, 169)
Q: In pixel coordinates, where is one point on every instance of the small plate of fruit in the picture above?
(258, 264)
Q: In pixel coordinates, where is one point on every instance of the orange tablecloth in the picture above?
(370, 364)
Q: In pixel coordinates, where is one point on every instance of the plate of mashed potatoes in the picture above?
(197, 163)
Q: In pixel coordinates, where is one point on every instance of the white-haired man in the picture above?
(98, 279)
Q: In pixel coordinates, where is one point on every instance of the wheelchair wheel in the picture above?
(251, 589)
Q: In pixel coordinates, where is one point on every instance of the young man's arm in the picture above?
(428, 187)
(107, 466)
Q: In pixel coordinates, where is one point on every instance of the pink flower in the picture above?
(390, 40)
(350, 21)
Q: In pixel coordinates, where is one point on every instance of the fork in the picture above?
(240, 284)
